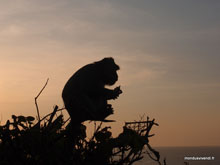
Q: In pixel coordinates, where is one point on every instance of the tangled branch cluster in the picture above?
(50, 141)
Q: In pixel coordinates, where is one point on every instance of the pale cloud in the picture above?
(12, 31)
(140, 69)
(139, 76)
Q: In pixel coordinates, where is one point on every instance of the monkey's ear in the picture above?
(107, 60)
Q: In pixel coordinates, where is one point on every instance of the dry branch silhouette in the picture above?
(38, 113)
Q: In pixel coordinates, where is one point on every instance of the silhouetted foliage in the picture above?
(51, 141)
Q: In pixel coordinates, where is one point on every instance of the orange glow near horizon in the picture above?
(169, 61)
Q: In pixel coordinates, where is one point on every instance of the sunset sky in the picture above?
(168, 51)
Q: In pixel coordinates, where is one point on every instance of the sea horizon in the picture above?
(188, 146)
(180, 155)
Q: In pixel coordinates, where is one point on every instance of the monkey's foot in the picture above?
(109, 109)
(104, 120)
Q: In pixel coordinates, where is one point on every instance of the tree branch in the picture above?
(38, 113)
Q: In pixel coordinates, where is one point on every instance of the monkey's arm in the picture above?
(112, 94)
(96, 89)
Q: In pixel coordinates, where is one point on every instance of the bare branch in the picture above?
(140, 122)
(38, 113)
(52, 115)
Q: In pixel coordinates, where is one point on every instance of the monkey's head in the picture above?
(108, 69)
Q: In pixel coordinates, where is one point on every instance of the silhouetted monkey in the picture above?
(85, 96)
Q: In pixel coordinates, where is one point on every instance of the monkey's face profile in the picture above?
(109, 71)
(110, 77)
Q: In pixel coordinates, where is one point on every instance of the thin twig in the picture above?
(95, 131)
(140, 122)
(38, 114)
(52, 115)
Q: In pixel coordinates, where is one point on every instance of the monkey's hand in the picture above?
(109, 109)
(116, 92)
